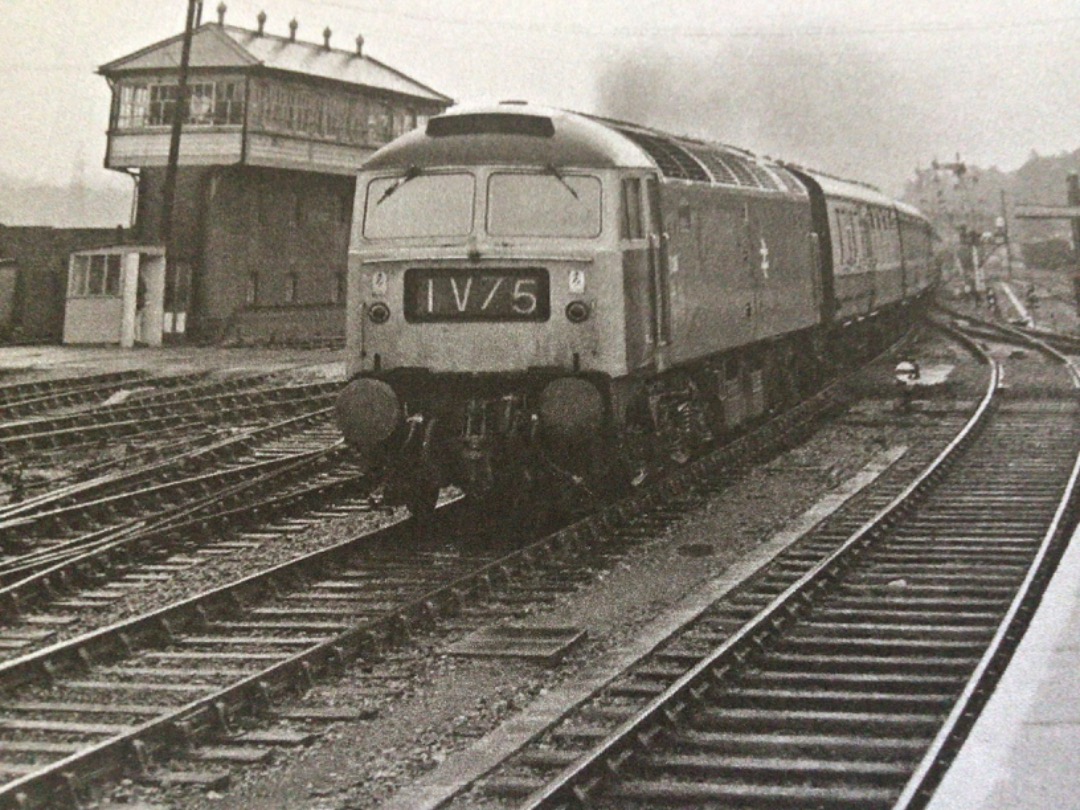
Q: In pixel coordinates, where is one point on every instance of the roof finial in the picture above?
(262, 22)
(359, 44)
(326, 37)
(221, 9)
(293, 25)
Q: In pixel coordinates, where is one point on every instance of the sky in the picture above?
(865, 88)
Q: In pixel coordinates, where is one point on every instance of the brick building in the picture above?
(275, 130)
(33, 273)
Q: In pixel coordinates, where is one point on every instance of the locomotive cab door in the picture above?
(659, 282)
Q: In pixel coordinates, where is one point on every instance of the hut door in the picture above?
(177, 293)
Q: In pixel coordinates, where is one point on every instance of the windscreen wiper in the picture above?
(554, 172)
(410, 174)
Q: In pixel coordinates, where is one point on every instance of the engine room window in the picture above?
(686, 217)
(549, 203)
(414, 204)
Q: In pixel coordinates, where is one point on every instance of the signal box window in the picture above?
(632, 222)
(209, 104)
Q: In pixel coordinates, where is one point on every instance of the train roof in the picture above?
(911, 210)
(850, 189)
(518, 133)
(511, 134)
(853, 190)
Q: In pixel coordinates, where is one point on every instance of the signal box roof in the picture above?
(225, 46)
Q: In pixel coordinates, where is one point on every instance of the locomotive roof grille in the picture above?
(535, 126)
(741, 170)
(764, 179)
(673, 160)
(721, 171)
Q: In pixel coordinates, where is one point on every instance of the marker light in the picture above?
(577, 311)
(379, 312)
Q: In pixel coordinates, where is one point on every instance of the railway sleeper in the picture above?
(886, 614)
(906, 683)
(899, 600)
(824, 699)
(947, 572)
(776, 770)
(785, 721)
(957, 665)
(868, 629)
(809, 744)
(808, 641)
(772, 797)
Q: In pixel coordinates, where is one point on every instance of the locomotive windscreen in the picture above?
(491, 124)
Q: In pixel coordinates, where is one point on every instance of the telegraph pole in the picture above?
(179, 113)
(1005, 235)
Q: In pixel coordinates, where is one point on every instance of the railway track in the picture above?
(226, 404)
(134, 693)
(270, 475)
(131, 494)
(844, 674)
(22, 399)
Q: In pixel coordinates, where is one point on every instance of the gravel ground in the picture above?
(1056, 309)
(423, 704)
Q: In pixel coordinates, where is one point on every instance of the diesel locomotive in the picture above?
(546, 304)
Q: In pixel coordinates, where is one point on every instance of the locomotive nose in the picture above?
(368, 412)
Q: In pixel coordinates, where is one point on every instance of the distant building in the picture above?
(275, 131)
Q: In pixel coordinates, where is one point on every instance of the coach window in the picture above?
(632, 222)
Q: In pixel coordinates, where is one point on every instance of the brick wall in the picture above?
(278, 236)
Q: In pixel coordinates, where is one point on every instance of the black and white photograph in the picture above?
(539, 405)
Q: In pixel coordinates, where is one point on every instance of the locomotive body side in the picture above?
(742, 268)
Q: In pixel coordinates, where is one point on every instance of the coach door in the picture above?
(659, 288)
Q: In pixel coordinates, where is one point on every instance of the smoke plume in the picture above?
(838, 107)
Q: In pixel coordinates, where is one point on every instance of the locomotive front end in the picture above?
(484, 315)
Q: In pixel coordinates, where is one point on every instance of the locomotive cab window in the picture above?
(631, 213)
(415, 205)
(547, 203)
